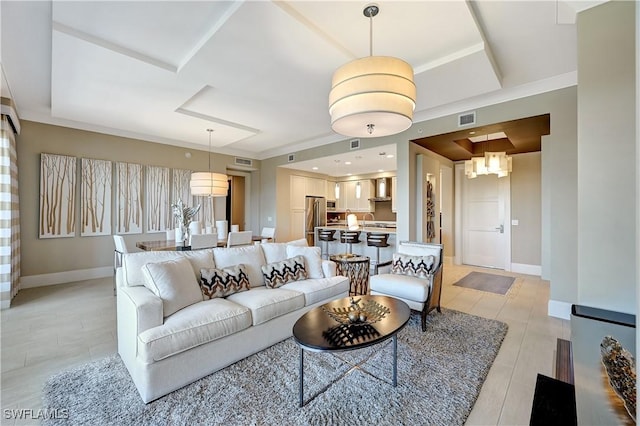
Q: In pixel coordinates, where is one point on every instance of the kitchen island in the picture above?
(336, 247)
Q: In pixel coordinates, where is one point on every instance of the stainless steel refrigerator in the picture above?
(315, 209)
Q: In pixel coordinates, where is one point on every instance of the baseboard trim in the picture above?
(559, 309)
(523, 268)
(31, 281)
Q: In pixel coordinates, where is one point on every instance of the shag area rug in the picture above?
(440, 373)
(486, 282)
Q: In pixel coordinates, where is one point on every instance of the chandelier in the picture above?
(209, 183)
(372, 96)
(492, 163)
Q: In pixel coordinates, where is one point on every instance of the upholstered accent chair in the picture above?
(415, 277)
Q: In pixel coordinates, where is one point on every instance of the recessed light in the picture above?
(389, 155)
(380, 170)
(314, 168)
(348, 163)
(348, 174)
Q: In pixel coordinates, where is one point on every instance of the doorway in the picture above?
(235, 202)
(484, 218)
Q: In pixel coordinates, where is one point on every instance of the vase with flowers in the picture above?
(183, 215)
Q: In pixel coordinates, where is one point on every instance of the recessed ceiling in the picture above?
(357, 162)
(523, 135)
(259, 72)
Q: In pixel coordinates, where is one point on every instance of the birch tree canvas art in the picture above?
(95, 218)
(128, 198)
(180, 189)
(57, 196)
(159, 217)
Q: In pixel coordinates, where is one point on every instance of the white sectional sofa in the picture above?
(170, 334)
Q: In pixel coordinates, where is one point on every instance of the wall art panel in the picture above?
(57, 196)
(128, 198)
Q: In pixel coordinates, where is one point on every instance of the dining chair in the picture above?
(268, 234)
(201, 241)
(120, 249)
(240, 238)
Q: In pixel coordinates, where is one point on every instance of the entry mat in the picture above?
(486, 282)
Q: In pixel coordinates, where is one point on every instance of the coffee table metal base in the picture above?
(301, 369)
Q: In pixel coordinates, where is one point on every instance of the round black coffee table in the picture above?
(328, 328)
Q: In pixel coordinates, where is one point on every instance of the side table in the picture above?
(356, 268)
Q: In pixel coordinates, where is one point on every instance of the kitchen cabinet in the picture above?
(353, 203)
(296, 224)
(297, 192)
(315, 187)
(394, 185)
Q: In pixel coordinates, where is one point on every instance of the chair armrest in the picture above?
(329, 268)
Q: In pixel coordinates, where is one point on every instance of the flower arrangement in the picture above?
(184, 214)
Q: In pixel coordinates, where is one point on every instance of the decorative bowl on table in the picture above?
(367, 313)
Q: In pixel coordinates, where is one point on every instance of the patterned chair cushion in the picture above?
(416, 266)
(280, 273)
(222, 282)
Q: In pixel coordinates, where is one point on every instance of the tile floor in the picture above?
(49, 329)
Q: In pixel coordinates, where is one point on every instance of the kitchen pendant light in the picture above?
(372, 96)
(209, 183)
(336, 191)
(358, 190)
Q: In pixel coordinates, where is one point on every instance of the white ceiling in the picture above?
(259, 72)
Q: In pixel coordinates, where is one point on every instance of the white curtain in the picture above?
(9, 216)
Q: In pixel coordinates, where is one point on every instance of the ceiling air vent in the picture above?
(243, 162)
(467, 119)
(291, 158)
(354, 144)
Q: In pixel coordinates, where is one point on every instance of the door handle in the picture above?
(500, 228)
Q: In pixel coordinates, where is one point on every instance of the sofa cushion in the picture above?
(192, 326)
(274, 252)
(267, 303)
(222, 282)
(418, 266)
(174, 282)
(277, 274)
(313, 261)
(302, 242)
(402, 286)
(251, 256)
(316, 290)
(132, 263)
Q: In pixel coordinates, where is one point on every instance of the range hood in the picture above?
(383, 190)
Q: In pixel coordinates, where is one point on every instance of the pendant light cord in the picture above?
(370, 34)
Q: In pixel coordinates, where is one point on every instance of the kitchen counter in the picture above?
(362, 228)
(362, 249)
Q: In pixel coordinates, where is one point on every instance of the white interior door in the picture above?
(485, 221)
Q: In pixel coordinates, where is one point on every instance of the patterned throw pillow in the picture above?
(417, 266)
(216, 282)
(278, 274)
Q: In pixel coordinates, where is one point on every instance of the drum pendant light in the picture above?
(373, 96)
(209, 183)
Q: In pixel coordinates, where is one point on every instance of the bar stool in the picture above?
(349, 238)
(326, 235)
(377, 240)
